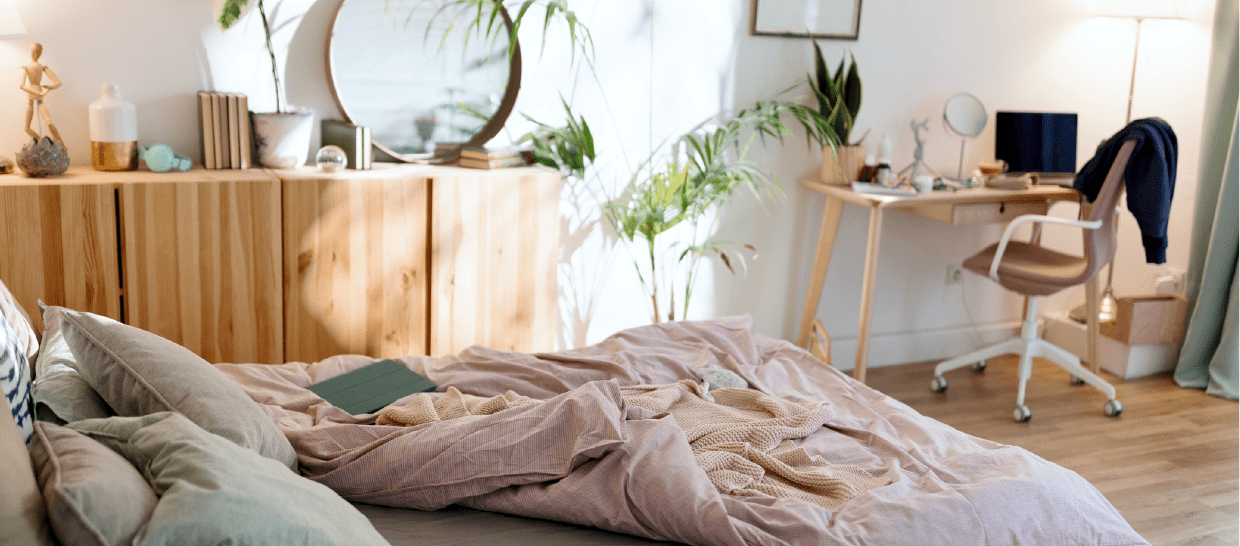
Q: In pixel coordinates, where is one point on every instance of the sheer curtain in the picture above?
(1210, 357)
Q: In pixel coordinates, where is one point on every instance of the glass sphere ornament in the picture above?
(331, 159)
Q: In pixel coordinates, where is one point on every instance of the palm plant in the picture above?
(687, 194)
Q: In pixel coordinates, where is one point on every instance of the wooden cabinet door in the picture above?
(495, 238)
(355, 264)
(58, 244)
(203, 263)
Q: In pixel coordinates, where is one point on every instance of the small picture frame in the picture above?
(827, 19)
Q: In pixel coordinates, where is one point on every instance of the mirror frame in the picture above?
(492, 126)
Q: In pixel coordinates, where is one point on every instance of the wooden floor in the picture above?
(1169, 463)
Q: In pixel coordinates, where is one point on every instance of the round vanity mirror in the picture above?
(965, 116)
(393, 69)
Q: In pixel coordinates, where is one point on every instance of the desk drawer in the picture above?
(992, 213)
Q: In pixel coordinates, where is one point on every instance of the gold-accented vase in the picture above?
(113, 132)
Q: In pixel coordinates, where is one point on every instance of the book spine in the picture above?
(208, 129)
(243, 111)
(234, 131)
(217, 121)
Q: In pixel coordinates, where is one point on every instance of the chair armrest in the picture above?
(1033, 218)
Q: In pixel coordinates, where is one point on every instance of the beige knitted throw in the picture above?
(742, 439)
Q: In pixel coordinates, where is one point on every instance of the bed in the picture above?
(602, 445)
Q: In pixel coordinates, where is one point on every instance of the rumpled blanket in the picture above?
(579, 457)
(742, 439)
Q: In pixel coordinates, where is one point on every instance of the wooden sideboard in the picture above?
(294, 265)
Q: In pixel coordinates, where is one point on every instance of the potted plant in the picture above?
(839, 100)
(281, 138)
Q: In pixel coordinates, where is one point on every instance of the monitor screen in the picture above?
(1036, 142)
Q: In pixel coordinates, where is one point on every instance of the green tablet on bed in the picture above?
(370, 388)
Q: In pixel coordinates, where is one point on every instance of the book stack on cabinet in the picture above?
(485, 157)
(225, 122)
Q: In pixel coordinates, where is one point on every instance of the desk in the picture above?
(962, 207)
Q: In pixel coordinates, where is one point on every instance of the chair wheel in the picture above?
(979, 366)
(938, 384)
(1113, 408)
(1076, 381)
(1022, 414)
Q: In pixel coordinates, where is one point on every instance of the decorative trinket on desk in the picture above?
(41, 156)
(113, 132)
(331, 159)
(882, 175)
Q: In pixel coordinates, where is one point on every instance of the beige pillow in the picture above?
(23, 519)
(213, 492)
(138, 373)
(94, 496)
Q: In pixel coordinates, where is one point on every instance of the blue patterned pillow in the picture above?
(15, 379)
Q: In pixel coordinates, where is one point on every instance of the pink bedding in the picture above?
(581, 457)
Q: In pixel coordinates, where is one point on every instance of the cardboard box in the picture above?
(1119, 358)
(1147, 320)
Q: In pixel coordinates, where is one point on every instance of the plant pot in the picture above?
(842, 166)
(282, 140)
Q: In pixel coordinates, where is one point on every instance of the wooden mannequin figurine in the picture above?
(32, 78)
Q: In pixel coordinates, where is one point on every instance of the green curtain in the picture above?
(1210, 357)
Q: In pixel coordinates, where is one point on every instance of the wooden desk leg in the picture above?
(822, 257)
(1091, 320)
(867, 292)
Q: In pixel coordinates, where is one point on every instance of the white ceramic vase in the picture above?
(283, 139)
(113, 132)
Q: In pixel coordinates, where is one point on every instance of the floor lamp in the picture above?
(1139, 10)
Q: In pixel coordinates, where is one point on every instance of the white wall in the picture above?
(663, 67)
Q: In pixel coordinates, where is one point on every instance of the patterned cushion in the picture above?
(15, 379)
(19, 321)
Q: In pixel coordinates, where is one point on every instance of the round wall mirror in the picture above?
(392, 68)
(964, 115)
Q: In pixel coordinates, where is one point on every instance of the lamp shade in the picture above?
(1139, 9)
(10, 21)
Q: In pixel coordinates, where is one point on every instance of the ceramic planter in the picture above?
(843, 166)
(282, 140)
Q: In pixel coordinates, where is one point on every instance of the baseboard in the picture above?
(920, 346)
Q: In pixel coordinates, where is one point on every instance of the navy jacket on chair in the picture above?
(1149, 179)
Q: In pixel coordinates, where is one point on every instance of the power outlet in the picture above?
(954, 273)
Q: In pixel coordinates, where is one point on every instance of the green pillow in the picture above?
(212, 491)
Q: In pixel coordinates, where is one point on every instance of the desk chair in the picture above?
(1031, 270)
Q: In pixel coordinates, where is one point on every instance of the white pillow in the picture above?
(59, 389)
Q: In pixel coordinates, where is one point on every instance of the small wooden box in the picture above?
(1146, 320)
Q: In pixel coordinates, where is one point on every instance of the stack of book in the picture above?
(225, 122)
(483, 157)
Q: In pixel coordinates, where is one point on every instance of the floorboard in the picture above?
(1170, 463)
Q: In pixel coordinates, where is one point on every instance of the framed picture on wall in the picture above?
(830, 19)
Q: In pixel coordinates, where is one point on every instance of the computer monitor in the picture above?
(1037, 142)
